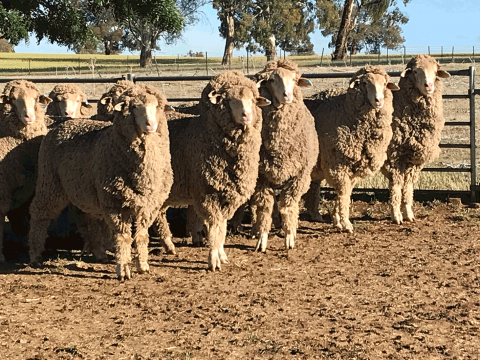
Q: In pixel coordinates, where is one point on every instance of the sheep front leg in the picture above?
(162, 229)
(141, 241)
(123, 255)
(396, 184)
(216, 232)
(263, 201)
(289, 222)
(407, 194)
(344, 197)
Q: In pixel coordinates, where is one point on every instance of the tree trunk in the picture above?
(108, 49)
(340, 52)
(271, 49)
(145, 56)
(228, 53)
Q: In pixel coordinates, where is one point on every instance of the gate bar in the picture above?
(473, 159)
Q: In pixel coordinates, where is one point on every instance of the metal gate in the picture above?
(470, 95)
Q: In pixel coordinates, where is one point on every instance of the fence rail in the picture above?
(470, 95)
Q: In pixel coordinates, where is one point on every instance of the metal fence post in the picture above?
(321, 59)
(206, 61)
(473, 160)
(248, 70)
(131, 77)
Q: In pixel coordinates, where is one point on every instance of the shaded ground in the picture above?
(385, 292)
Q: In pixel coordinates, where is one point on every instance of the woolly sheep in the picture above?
(354, 128)
(289, 150)
(215, 159)
(22, 129)
(108, 100)
(68, 100)
(417, 125)
(120, 173)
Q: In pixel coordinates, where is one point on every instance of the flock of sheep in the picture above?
(255, 142)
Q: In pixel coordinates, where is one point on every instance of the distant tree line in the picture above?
(112, 26)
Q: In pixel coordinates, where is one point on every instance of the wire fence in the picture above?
(105, 66)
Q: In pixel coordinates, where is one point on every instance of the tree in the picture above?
(266, 23)
(107, 30)
(58, 21)
(350, 23)
(144, 21)
(229, 12)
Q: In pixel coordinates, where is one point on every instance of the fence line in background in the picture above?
(474, 188)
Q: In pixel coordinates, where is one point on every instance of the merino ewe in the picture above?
(417, 125)
(108, 100)
(354, 129)
(22, 129)
(289, 150)
(68, 100)
(120, 173)
(215, 158)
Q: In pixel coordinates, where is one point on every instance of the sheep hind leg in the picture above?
(312, 201)
(42, 213)
(216, 232)
(289, 223)
(2, 226)
(263, 203)
(161, 228)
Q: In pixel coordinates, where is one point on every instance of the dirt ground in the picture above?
(385, 292)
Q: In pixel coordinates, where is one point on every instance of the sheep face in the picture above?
(23, 101)
(425, 70)
(376, 85)
(68, 104)
(281, 84)
(145, 111)
(241, 101)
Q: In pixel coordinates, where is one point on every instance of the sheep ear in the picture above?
(404, 72)
(261, 101)
(304, 82)
(119, 106)
(393, 86)
(44, 100)
(442, 73)
(168, 108)
(86, 104)
(259, 82)
(353, 83)
(106, 100)
(215, 97)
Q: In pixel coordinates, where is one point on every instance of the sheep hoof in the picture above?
(262, 243)
(223, 257)
(289, 241)
(214, 260)
(123, 272)
(143, 267)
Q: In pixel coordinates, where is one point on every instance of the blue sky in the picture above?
(432, 23)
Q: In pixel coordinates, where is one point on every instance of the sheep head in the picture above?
(424, 69)
(374, 81)
(23, 97)
(280, 78)
(241, 100)
(68, 100)
(146, 104)
(110, 98)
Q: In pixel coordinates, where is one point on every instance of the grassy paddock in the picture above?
(13, 63)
